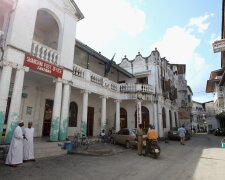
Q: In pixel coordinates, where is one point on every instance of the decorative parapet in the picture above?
(103, 82)
(45, 53)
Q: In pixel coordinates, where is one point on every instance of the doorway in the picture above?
(163, 117)
(123, 118)
(145, 118)
(47, 118)
(90, 121)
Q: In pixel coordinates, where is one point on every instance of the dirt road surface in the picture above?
(202, 158)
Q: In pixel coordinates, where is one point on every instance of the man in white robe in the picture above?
(28, 145)
(15, 154)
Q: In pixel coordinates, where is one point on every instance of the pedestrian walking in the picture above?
(139, 135)
(15, 154)
(28, 143)
(182, 132)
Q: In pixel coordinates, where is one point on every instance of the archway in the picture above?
(164, 117)
(145, 117)
(123, 118)
(46, 29)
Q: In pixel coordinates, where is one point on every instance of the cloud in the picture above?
(214, 38)
(179, 45)
(200, 23)
(104, 20)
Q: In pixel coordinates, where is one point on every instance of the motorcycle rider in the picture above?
(152, 135)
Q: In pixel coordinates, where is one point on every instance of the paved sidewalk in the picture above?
(100, 150)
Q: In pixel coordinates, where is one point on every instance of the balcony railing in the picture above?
(45, 53)
(133, 88)
(94, 78)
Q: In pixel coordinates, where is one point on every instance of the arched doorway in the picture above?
(145, 117)
(123, 118)
(171, 123)
(73, 115)
(164, 117)
(175, 115)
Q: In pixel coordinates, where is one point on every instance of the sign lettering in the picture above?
(219, 46)
(42, 66)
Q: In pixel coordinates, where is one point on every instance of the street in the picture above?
(201, 158)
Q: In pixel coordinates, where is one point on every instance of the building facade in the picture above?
(52, 79)
(215, 84)
(198, 117)
(210, 116)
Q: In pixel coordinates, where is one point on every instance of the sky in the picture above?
(182, 30)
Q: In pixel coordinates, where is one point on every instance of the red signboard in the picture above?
(43, 66)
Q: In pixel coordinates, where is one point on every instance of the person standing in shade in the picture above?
(28, 143)
(182, 132)
(15, 154)
(139, 135)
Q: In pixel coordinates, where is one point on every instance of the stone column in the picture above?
(173, 118)
(84, 112)
(4, 91)
(103, 113)
(14, 110)
(151, 116)
(54, 136)
(117, 115)
(65, 112)
(155, 122)
(160, 126)
(139, 115)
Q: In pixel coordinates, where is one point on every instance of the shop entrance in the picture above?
(90, 121)
(47, 118)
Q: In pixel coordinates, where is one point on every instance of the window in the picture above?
(73, 114)
(189, 98)
(143, 80)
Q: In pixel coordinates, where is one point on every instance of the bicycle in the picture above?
(80, 141)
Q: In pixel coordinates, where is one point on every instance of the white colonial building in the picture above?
(61, 85)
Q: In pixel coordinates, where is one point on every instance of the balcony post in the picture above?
(87, 75)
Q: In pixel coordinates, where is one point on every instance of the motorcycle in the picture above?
(219, 132)
(154, 149)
